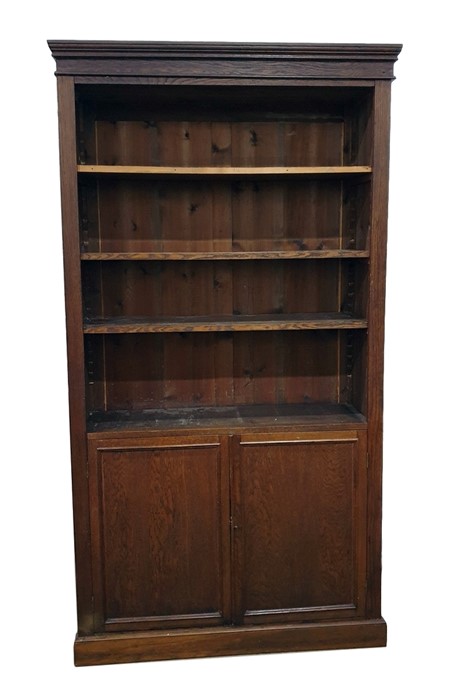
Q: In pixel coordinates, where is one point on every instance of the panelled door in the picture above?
(299, 526)
(176, 542)
(160, 532)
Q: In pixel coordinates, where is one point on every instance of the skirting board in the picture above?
(125, 647)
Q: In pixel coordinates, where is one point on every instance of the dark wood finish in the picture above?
(228, 641)
(224, 214)
(196, 61)
(266, 290)
(375, 354)
(231, 255)
(299, 526)
(73, 302)
(160, 535)
(143, 371)
(325, 416)
(141, 215)
(311, 145)
(203, 324)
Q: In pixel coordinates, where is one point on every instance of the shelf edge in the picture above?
(178, 171)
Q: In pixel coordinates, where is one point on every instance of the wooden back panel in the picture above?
(178, 288)
(134, 215)
(142, 371)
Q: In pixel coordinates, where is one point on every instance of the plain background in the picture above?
(37, 611)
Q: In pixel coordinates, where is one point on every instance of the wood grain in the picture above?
(229, 171)
(298, 523)
(202, 62)
(158, 538)
(155, 646)
(148, 371)
(76, 369)
(161, 289)
(376, 305)
(265, 322)
(193, 216)
(231, 255)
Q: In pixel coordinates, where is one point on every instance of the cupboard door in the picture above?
(299, 528)
(160, 532)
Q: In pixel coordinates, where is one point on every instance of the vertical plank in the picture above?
(223, 369)
(258, 216)
(189, 289)
(89, 217)
(307, 217)
(127, 216)
(313, 143)
(310, 286)
(258, 287)
(257, 144)
(134, 372)
(75, 345)
(187, 215)
(312, 214)
(364, 151)
(132, 289)
(168, 371)
(376, 304)
(188, 370)
(185, 143)
(121, 142)
(221, 144)
(310, 366)
(221, 154)
(256, 368)
(288, 367)
(173, 143)
(87, 139)
(285, 286)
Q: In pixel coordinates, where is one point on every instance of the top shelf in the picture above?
(225, 171)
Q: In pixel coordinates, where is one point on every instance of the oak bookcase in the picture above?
(224, 224)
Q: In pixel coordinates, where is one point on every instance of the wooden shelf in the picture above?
(230, 255)
(193, 324)
(310, 414)
(226, 171)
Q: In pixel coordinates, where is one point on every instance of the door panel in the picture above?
(160, 547)
(299, 526)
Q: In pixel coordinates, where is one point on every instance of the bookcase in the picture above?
(224, 214)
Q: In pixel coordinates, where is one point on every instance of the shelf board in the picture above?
(203, 324)
(230, 255)
(225, 171)
(316, 414)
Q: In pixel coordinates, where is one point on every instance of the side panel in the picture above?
(375, 370)
(299, 526)
(160, 528)
(75, 349)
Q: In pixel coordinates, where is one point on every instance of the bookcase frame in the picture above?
(224, 212)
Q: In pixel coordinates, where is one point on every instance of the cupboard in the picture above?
(224, 214)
